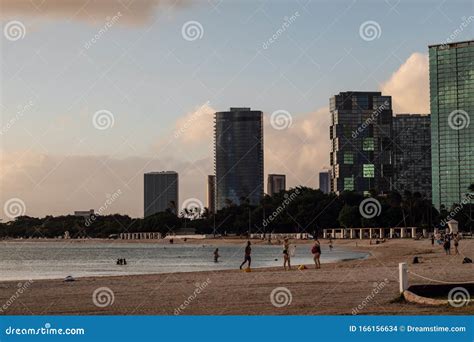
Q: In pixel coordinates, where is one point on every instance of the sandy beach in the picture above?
(370, 285)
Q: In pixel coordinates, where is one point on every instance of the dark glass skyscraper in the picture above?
(160, 192)
(452, 133)
(238, 137)
(361, 145)
(412, 154)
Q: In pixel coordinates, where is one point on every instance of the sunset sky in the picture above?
(161, 86)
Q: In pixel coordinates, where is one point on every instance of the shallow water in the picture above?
(52, 260)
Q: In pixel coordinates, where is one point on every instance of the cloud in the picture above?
(134, 12)
(409, 86)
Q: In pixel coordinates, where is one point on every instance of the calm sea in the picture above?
(50, 260)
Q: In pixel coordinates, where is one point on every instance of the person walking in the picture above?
(316, 250)
(216, 255)
(247, 257)
(286, 254)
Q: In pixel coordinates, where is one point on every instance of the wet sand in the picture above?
(370, 286)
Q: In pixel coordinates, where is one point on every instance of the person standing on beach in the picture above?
(447, 245)
(286, 254)
(216, 255)
(456, 245)
(316, 250)
(247, 257)
(432, 240)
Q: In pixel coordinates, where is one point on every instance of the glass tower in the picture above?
(412, 154)
(238, 137)
(361, 144)
(452, 133)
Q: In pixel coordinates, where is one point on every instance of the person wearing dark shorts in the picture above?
(247, 257)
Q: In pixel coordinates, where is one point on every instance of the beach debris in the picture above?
(247, 269)
(69, 278)
(416, 260)
(467, 260)
(301, 267)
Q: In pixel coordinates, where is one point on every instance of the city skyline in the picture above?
(44, 150)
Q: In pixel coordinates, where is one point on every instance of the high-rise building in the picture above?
(211, 194)
(325, 181)
(361, 147)
(275, 184)
(161, 192)
(238, 136)
(412, 154)
(452, 133)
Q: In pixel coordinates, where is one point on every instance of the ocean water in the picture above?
(56, 260)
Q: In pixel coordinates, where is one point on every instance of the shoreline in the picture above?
(336, 288)
(209, 242)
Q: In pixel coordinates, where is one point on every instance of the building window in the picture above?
(349, 184)
(348, 158)
(369, 171)
(368, 144)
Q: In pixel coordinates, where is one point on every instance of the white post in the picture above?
(361, 234)
(392, 231)
(352, 233)
(403, 276)
(370, 233)
(403, 233)
(413, 233)
(381, 233)
(425, 233)
(325, 233)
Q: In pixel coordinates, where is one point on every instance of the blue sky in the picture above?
(148, 76)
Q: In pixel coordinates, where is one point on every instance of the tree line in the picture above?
(296, 210)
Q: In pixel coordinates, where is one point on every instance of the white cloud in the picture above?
(409, 86)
